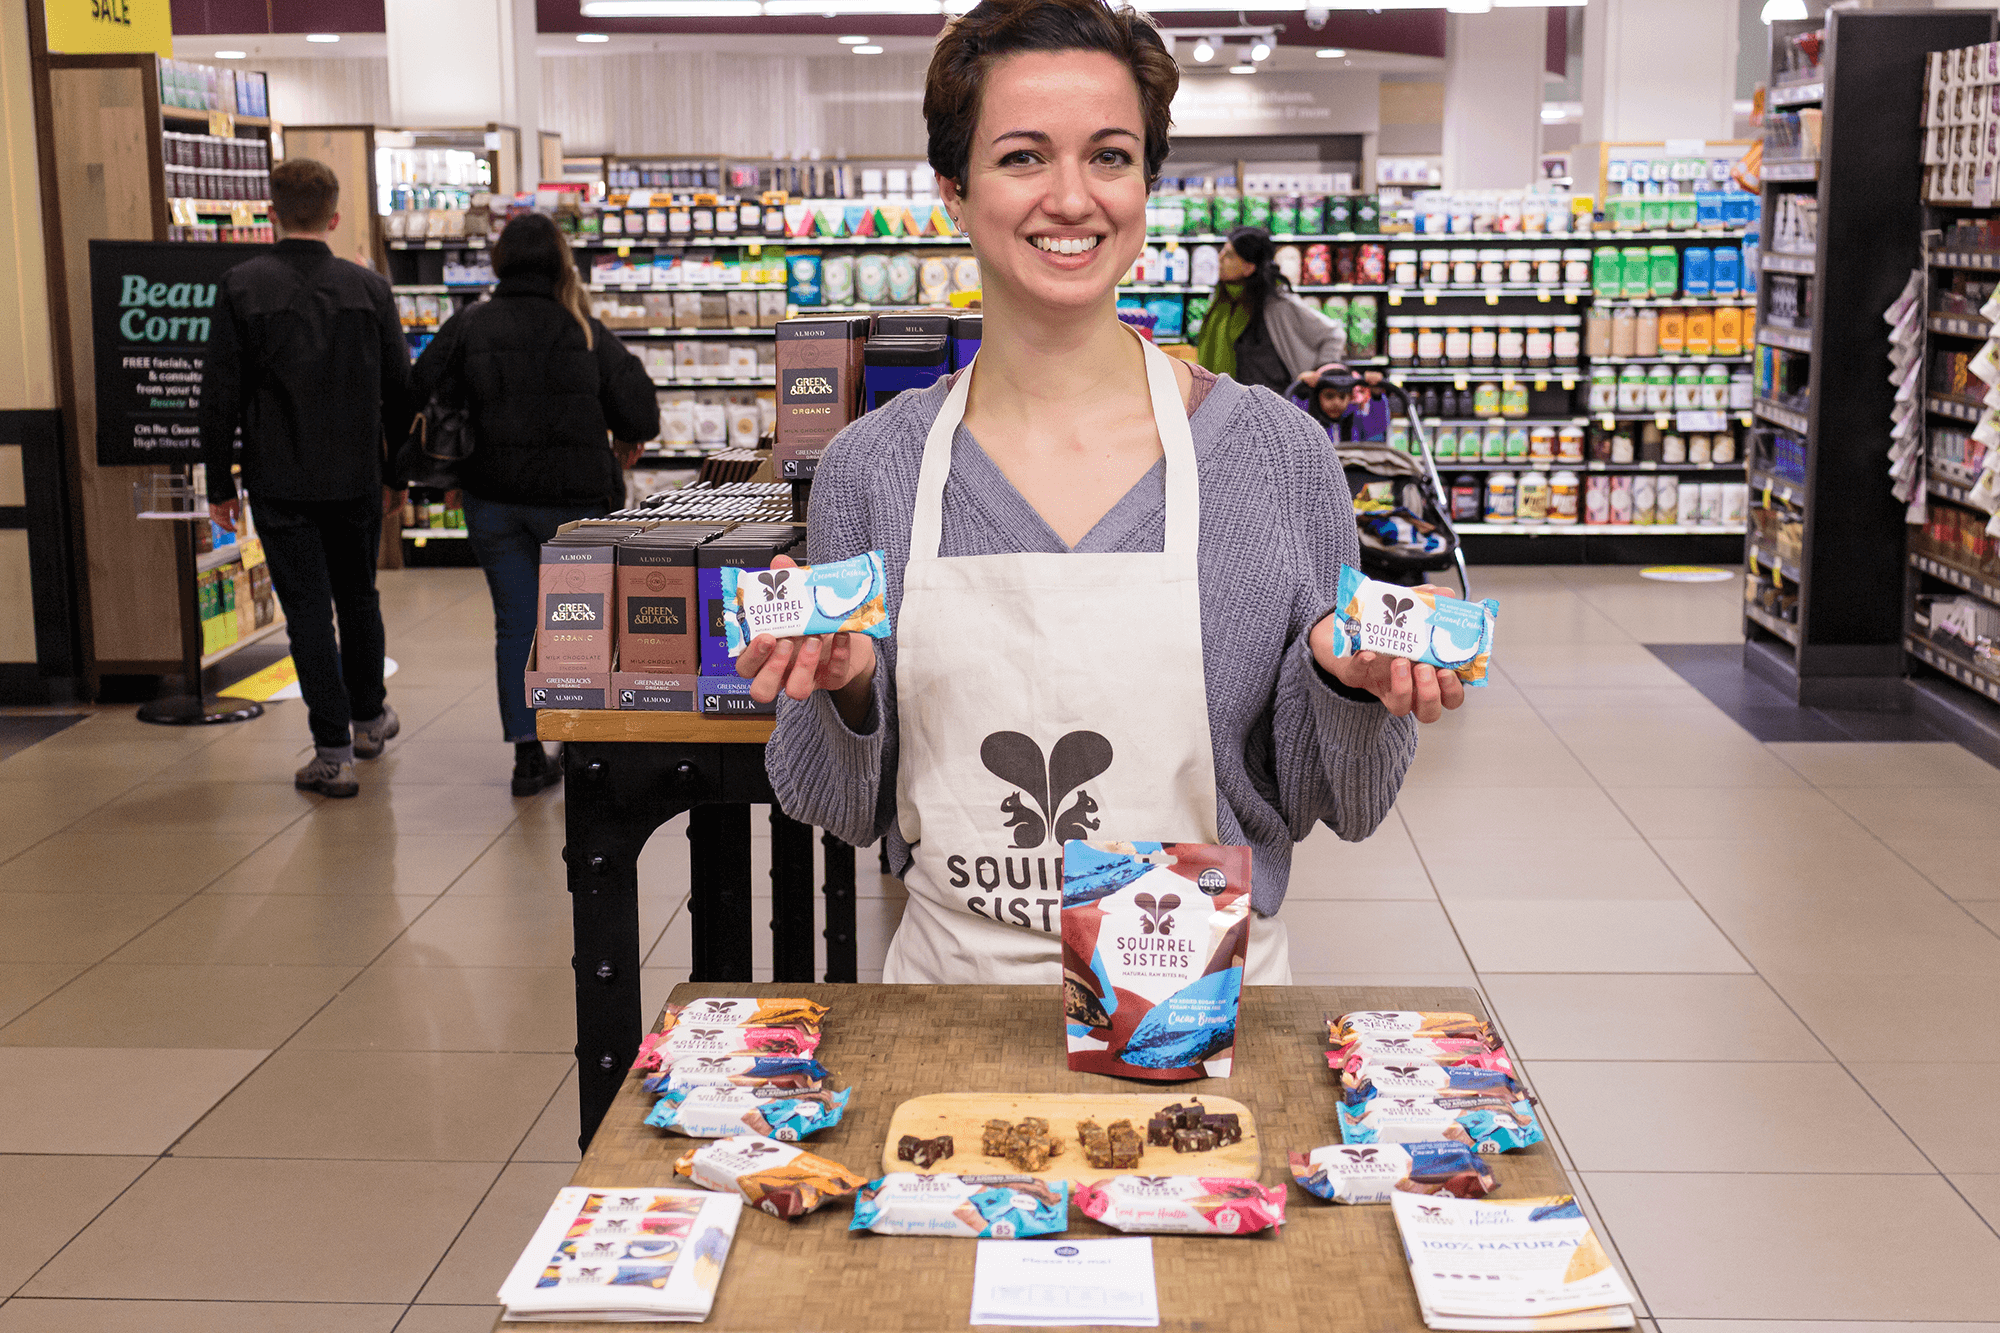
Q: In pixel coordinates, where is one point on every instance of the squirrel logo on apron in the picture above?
(1077, 758)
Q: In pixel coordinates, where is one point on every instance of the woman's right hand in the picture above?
(841, 664)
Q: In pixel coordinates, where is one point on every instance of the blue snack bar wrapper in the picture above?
(849, 596)
(721, 1111)
(1445, 632)
(1492, 1124)
(1154, 941)
(977, 1207)
(1422, 1079)
(1370, 1173)
(742, 1071)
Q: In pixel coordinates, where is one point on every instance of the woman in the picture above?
(548, 388)
(1082, 536)
(1256, 331)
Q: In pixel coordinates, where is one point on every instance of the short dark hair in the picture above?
(304, 194)
(994, 29)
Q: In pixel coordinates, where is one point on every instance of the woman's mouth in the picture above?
(1065, 245)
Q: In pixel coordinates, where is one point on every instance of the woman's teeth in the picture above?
(1066, 245)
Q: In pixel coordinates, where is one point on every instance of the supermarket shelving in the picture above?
(1784, 629)
(1964, 580)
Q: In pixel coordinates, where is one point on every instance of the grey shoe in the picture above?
(370, 737)
(328, 776)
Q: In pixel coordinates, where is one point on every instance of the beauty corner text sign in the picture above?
(1272, 103)
(152, 312)
(107, 27)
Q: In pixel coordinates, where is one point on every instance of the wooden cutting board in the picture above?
(963, 1115)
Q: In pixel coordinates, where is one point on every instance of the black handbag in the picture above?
(441, 436)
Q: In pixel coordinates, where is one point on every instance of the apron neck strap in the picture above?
(1170, 419)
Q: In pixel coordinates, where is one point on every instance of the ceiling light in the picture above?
(1261, 51)
(781, 8)
(1330, 53)
(1203, 52)
(1242, 69)
(1783, 9)
(322, 36)
(593, 37)
(1469, 6)
(870, 50)
(231, 55)
(854, 41)
(672, 9)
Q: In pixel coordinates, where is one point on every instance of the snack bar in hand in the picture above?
(1196, 1204)
(1448, 633)
(721, 1111)
(1371, 1172)
(783, 1180)
(749, 1013)
(983, 1207)
(848, 596)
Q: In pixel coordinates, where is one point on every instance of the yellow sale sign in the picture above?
(101, 27)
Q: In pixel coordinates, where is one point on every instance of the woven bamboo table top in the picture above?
(643, 725)
(1331, 1268)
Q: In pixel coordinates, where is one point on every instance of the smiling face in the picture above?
(1055, 190)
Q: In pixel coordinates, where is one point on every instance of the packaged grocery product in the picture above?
(836, 278)
(794, 1073)
(783, 1180)
(1421, 1078)
(1445, 632)
(1499, 495)
(1370, 1173)
(1371, 263)
(1154, 941)
(1531, 497)
(661, 1050)
(1621, 498)
(804, 281)
(1195, 1204)
(871, 279)
(902, 278)
(846, 595)
(983, 1207)
(1350, 1057)
(750, 1013)
(1343, 1028)
(1492, 1124)
(965, 274)
(1291, 263)
(1666, 499)
(933, 281)
(1361, 335)
(1597, 499)
(721, 1112)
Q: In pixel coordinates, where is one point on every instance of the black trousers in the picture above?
(322, 555)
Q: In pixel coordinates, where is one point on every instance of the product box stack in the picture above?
(1962, 126)
(832, 368)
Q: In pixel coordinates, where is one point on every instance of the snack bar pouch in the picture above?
(1428, 1080)
(743, 1071)
(719, 1112)
(982, 1207)
(1370, 1173)
(801, 1014)
(1154, 941)
(1344, 1028)
(1446, 632)
(844, 595)
(1351, 1058)
(1200, 1205)
(1489, 1124)
(659, 1050)
(783, 1180)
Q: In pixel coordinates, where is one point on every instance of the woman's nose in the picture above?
(1069, 192)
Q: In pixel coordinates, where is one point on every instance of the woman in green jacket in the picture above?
(1256, 330)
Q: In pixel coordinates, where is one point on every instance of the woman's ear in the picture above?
(953, 196)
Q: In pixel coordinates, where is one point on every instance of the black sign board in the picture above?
(153, 308)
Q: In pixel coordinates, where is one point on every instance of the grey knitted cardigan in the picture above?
(1277, 523)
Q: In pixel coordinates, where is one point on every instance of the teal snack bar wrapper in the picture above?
(722, 1112)
(1445, 632)
(850, 596)
(1155, 936)
(1491, 1123)
(983, 1207)
(1370, 1173)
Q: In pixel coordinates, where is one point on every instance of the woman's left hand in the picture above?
(1404, 687)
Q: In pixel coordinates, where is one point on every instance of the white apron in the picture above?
(1044, 697)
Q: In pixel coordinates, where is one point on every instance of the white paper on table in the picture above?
(1507, 1258)
(1066, 1282)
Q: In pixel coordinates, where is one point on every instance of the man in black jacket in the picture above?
(309, 362)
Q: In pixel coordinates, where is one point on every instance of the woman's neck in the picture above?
(1032, 360)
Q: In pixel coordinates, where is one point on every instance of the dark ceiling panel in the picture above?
(198, 18)
(328, 16)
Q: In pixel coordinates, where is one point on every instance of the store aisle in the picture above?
(274, 1063)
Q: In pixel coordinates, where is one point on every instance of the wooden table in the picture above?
(628, 772)
(1331, 1268)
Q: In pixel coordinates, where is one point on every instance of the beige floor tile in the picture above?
(163, 863)
(521, 865)
(47, 1316)
(450, 1318)
(1982, 1192)
(1654, 612)
(24, 985)
(295, 1230)
(177, 1006)
(49, 1200)
(1918, 931)
(434, 1106)
(1371, 936)
(484, 1252)
(1466, 869)
(1919, 812)
(1657, 1017)
(1755, 1117)
(221, 807)
(1526, 935)
(282, 928)
(1510, 814)
(272, 759)
(474, 720)
(1795, 1247)
(1471, 761)
(384, 861)
(73, 927)
(1966, 868)
(426, 810)
(437, 761)
(67, 756)
(1894, 1017)
(1384, 865)
(553, 1138)
(1694, 761)
(1951, 1110)
(1887, 764)
(1834, 873)
(1758, 814)
(1579, 665)
(1616, 701)
(1465, 978)
(1986, 912)
(506, 932)
(53, 1099)
(522, 1009)
(48, 805)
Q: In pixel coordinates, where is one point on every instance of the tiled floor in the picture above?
(269, 1063)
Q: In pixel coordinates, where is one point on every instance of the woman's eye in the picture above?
(1115, 157)
(1019, 158)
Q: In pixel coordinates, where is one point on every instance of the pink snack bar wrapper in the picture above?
(1201, 1205)
(659, 1050)
(1355, 1055)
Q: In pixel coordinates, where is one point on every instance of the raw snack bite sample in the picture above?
(721, 1111)
(1154, 940)
(743, 1071)
(1351, 1058)
(1200, 1204)
(923, 1152)
(783, 1180)
(1446, 632)
(1489, 1123)
(749, 1013)
(844, 595)
(1117, 1148)
(1028, 1145)
(1190, 1128)
(1347, 1027)
(986, 1207)
(1370, 1173)
(659, 1050)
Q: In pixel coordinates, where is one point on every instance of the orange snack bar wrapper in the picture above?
(781, 1178)
(804, 1015)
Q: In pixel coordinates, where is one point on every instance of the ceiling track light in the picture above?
(1260, 51)
(853, 41)
(322, 36)
(1203, 52)
(593, 37)
(232, 55)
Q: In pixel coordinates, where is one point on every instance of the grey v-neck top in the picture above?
(1291, 748)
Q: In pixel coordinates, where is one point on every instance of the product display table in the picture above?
(1331, 1267)
(628, 772)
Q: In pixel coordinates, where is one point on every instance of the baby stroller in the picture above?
(1401, 506)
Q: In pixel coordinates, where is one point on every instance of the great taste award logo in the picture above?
(1046, 804)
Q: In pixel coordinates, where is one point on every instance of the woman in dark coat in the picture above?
(549, 391)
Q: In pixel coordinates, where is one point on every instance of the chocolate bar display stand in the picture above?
(627, 773)
(1332, 1268)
